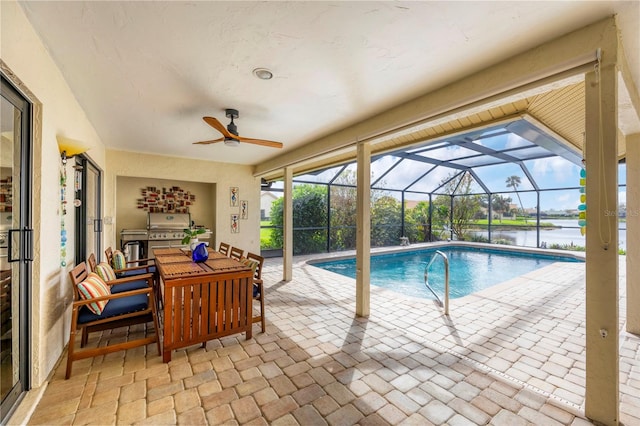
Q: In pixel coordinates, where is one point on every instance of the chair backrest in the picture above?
(91, 260)
(109, 255)
(224, 248)
(260, 260)
(77, 275)
(236, 253)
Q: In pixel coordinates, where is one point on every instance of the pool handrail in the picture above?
(446, 280)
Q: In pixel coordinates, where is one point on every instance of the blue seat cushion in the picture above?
(152, 269)
(123, 305)
(133, 285)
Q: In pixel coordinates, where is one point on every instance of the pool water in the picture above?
(470, 269)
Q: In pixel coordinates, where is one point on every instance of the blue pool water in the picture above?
(470, 269)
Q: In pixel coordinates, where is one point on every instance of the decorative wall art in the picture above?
(233, 196)
(235, 224)
(244, 209)
(63, 213)
(582, 207)
(166, 200)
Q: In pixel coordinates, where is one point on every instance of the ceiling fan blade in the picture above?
(208, 142)
(213, 122)
(262, 142)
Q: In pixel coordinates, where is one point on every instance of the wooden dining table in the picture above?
(202, 301)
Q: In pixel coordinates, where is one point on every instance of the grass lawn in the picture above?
(513, 222)
(265, 233)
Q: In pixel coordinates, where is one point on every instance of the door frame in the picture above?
(83, 164)
(24, 264)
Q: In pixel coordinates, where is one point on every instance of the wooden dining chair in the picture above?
(92, 263)
(236, 253)
(98, 307)
(258, 288)
(147, 267)
(224, 248)
(125, 267)
(107, 273)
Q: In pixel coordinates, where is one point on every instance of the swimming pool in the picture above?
(470, 269)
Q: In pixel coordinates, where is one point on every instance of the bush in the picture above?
(479, 239)
(309, 219)
(570, 247)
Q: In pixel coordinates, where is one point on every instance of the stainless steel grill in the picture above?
(164, 226)
(163, 230)
(127, 235)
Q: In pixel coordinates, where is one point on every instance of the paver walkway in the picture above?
(509, 355)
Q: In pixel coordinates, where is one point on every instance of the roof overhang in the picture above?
(541, 85)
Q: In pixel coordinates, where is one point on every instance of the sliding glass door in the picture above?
(88, 193)
(16, 245)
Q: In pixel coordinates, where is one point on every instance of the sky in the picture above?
(548, 173)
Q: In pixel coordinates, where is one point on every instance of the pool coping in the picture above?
(328, 257)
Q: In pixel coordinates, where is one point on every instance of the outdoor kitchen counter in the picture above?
(202, 301)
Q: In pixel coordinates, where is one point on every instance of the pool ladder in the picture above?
(446, 280)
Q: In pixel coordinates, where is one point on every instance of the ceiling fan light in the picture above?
(263, 73)
(231, 142)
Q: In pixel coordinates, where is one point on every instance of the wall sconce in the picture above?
(70, 148)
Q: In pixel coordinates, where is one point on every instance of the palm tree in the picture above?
(514, 182)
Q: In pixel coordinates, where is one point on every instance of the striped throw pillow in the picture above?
(119, 262)
(106, 272)
(93, 287)
(250, 263)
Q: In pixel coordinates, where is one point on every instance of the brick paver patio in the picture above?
(509, 355)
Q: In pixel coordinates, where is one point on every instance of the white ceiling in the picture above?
(147, 72)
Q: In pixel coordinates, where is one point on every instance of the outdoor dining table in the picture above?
(202, 301)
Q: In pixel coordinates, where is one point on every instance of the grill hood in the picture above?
(160, 221)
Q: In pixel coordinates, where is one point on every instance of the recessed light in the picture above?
(263, 73)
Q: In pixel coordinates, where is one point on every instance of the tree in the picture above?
(417, 226)
(343, 213)
(411, 230)
(441, 226)
(386, 221)
(309, 219)
(465, 205)
(420, 216)
(514, 182)
(500, 204)
(385, 214)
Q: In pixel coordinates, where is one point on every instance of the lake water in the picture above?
(568, 234)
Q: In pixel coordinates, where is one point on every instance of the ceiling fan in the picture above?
(230, 133)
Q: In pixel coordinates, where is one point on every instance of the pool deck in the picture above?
(509, 355)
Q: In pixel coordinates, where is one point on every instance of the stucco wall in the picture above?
(59, 114)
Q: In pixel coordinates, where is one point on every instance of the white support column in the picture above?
(287, 249)
(633, 233)
(363, 232)
(601, 149)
